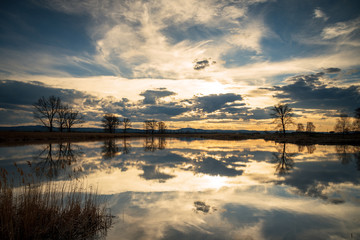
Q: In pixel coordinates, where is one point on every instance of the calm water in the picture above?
(210, 189)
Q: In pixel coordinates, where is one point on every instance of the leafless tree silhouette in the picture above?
(110, 122)
(343, 124)
(126, 123)
(46, 110)
(162, 127)
(72, 117)
(310, 127)
(150, 126)
(61, 119)
(283, 115)
(300, 127)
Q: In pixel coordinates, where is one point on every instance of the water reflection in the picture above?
(125, 147)
(109, 149)
(283, 159)
(55, 159)
(167, 188)
(310, 148)
(151, 144)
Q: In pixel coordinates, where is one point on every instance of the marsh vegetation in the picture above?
(48, 210)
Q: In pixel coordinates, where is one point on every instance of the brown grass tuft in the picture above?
(41, 211)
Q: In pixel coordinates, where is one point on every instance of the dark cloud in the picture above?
(152, 172)
(308, 91)
(332, 70)
(202, 64)
(214, 167)
(21, 93)
(167, 109)
(11, 117)
(18, 97)
(213, 102)
(151, 96)
(259, 113)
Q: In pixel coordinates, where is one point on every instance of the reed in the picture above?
(43, 211)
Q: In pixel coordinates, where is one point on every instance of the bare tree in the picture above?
(283, 115)
(343, 124)
(300, 127)
(110, 122)
(150, 126)
(61, 116)
(67, 117)
(126, 123)
(162, 127)
(356, 123)
(46, 110)
(310, 127)
(72, 117)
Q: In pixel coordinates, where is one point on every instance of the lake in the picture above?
(209, 189)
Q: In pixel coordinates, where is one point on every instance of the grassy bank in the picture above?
(42, 211)
(22, 138)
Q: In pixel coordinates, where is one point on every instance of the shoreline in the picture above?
(8, 138)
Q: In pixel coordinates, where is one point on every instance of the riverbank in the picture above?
(24, 138)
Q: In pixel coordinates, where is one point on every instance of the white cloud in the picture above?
(341, 29)
(130, 39)
(318, 13)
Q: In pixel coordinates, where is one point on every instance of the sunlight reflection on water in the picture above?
(209, 189)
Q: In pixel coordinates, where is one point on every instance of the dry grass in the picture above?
(41, 211)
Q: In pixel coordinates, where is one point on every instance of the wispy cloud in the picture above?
(134, 35)
(342, 29)
(318, 13)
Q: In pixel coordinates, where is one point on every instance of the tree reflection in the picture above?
(150, 145)
(125, 147)
(283, 159)
(53, 161)
(357, 156)
(348, 153)
(310, 148)
(343, 153)
(109, 149)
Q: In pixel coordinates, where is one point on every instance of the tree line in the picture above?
(110, 123)
(51, 112)
(283, 116)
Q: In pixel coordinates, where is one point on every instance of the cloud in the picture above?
(213, 102)
(165, 110)
(332, 70)
(342, 29)
(159, 39)
(202, 64)
(20, 93)
(312, 92)
(318, 13)
(17, 98)
(152, 96)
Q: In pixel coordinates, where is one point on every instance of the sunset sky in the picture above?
(202, 64)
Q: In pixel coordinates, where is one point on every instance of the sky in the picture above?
(211, 64)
